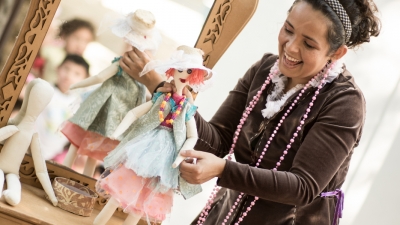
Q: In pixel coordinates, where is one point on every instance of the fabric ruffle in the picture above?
(88, 143)
(178, 60)
(277, 98)
(151, 155)
(141, 39)
(135, 194)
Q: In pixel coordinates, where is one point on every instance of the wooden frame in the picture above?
(224, 22)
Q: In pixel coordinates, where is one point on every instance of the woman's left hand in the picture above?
(207, 166)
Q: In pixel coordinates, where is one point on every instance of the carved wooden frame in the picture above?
(225, 21)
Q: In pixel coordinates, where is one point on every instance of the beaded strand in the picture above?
(175, 113)
(274, 71)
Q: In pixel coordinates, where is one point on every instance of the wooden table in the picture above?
(35, 209)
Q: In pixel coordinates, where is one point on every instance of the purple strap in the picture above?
(339, 194)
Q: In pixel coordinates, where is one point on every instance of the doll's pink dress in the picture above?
(89, 143)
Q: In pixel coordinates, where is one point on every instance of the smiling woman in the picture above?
(283, 124)
(303, 46)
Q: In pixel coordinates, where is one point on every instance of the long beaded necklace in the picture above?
(174, 113)
(274, 72)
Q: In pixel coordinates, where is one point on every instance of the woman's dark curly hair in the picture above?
(362, 16)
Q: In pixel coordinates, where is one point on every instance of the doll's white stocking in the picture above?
(1, 182)
(132, 219)
(107, 212)
(13, 192)
(90, 166)
(71, 156)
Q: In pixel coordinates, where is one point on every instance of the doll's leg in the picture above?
(107, 212)
(71, 155)
(132, 219)
(13, 192)
(90, 166)
(1, 181)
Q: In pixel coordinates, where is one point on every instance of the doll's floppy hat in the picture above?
(183, 57)
(138, 30)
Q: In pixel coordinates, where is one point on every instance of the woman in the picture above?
(292, 122)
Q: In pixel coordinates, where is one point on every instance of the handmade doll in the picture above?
(20, 135)
(142, 172)
(99, 115)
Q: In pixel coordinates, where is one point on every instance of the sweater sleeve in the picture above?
(216, 136)
(324, 149)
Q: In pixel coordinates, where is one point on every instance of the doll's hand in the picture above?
(113, 136)
(188, 95)
(207, 166)
(72, 87)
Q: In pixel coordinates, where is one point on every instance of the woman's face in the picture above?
(303, 44)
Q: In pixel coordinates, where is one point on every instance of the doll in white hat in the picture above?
(142, 172)
(99, 115)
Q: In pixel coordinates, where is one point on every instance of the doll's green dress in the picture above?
(101, 112)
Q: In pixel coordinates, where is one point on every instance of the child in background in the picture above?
(73, 69)
(76, 34)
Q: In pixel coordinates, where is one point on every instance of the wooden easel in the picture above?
(224, 22)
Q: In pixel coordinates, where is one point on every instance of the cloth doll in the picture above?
(99, 115)
(20, 135)
(142, 172)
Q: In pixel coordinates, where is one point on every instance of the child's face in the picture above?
(69, 73)
(76, 42)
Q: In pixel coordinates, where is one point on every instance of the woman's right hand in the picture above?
(133, 62)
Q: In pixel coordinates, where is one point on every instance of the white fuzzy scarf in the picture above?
(277, 98)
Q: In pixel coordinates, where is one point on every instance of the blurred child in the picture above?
(73, 68)
(76, 34)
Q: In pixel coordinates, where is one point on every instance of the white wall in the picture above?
(373, 182)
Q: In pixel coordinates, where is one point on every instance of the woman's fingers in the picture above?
(207, 166)
(167, 87)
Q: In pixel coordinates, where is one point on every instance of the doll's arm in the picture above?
(99, 78)
(131, 117)
(41, 170)
(191, 139)
(8, 131)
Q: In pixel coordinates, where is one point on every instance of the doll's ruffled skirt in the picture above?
(134, 193)
(88, 143)
(152, 154)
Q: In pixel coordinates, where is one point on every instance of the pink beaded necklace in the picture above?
(274, 72)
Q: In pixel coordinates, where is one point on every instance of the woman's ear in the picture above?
(342, 50)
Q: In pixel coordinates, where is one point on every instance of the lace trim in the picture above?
(277, 98)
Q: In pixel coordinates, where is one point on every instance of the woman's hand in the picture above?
(133, 62)
(167, 87)
(206, 168)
